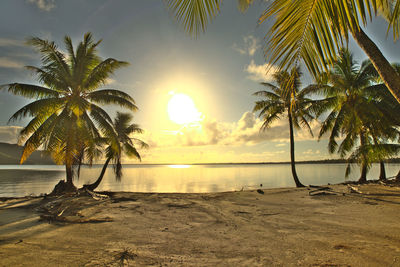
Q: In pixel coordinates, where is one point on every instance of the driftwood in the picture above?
(320, 190)
(353, 189)
(96, 196)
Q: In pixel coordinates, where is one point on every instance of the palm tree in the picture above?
(67, 118)
(311, 30)
(383, 132)
(124, 129)
(282, 100)
(355, 113)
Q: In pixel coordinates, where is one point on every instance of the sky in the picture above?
(212, 78)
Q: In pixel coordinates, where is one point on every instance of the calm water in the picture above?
(24, 180)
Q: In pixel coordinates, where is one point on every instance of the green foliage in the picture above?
(283, 98)
(124, 142)
(311, 30)
(359, 112)
(194, 15)
(66, 117)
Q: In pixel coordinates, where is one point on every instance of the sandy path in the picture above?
(283, 227)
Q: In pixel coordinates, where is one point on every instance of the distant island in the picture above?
(10, 154)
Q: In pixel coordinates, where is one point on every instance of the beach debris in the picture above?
(260, 191)
(122, 199)
(125, 256)
(96, 196)
(353, 189)
(320, 190)
(341, 247)
(61, 213)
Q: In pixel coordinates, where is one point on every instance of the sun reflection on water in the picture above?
(178, 166)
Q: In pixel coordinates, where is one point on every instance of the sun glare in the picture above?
(179, 166)
(182, 110)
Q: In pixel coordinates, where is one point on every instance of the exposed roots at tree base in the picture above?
(62, 188)
(72, 207)
(65, 203)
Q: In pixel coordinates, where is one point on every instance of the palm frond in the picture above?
(30, 91)
(99, 74)
(194, 15)
(104, 98)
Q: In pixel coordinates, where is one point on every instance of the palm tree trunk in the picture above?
(98, 181)
(68, 168)
(69, 185)
(388, 74)
(382, 175)
(363, 177)
(292, 161)
(398, 176)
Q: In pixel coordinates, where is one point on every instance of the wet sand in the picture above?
(282, 227)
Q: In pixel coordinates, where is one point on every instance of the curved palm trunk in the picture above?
(388, 74)
(98, 181)
(398, 176)
(292, 161)
(382, 175)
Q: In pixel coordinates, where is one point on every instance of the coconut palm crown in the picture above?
(66, 113)
(358, 111)
(125, 144)
(286, 100)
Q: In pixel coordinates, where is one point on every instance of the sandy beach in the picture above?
(281, 227)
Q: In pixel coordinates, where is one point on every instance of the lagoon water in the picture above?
(16, 180)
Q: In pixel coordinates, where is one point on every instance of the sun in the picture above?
(182, 110)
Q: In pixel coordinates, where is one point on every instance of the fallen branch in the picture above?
(96, 196)
(353, 189)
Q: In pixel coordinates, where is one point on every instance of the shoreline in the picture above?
(321, 161)
(285, 226)
(390, 181)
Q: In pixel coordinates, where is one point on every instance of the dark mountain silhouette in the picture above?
(11, 154)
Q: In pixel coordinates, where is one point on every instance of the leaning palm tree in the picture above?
(125, 144)
(66, 114)
(308, 30)
(355, 113)
(283, 100)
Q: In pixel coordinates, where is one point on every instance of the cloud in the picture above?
(208, 154)
(280, 145)
(9, 134)
(250, 46)
(10, 63)
(246, 131)
(45, 5)
(247, 120)
(10, 42)
(311, 152)
(258, 73)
